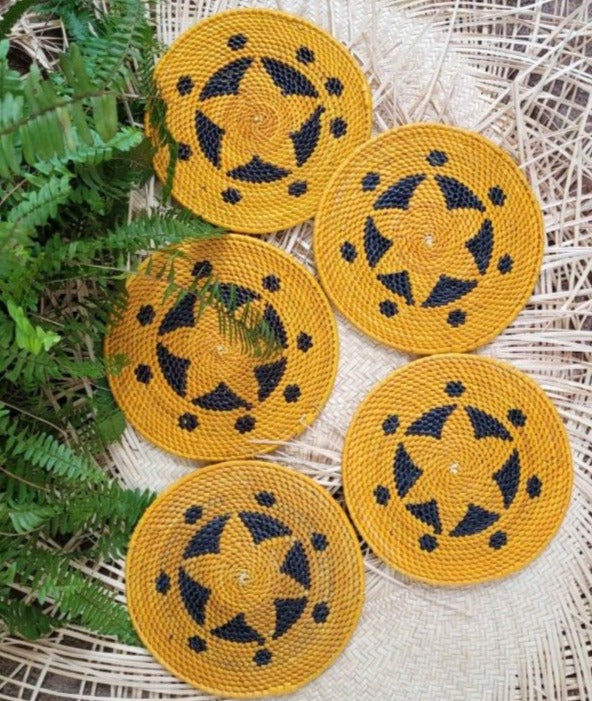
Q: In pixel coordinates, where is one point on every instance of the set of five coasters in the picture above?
(246, 578)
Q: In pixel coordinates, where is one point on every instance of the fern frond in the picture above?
(25, 618)
(37, 207)
(43, 450)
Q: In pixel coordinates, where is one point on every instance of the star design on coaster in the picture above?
(455, 468)
(429, 208)
(245, 578)
(258, 121)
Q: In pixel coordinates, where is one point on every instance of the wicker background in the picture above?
(520, 73)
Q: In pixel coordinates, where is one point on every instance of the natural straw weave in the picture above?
(195, 392)
(457, 469)
(245, 579)
(263, 106)
(429, 239)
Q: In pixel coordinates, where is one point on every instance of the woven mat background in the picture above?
(521, 73)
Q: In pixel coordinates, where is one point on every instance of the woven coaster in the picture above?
(429, 239)
(263, 106)
(198, 392)
(457, 470)
(245, 579)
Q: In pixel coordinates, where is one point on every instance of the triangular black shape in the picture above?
(508, 478)
(207, 540)
(274, 323)
(226, 80)
(234, 296)
(485, 425)
(287, 612)
(431, 423)
(481, 246)
(375, 244)
(448, 289)
(399, 195)
(194, 596)
(305, 140)
(209, 136)
(269, 376)
(427, 512)
(173, 368)
(262, 527)
(258, 171)
(237, 630)
(296, 565)
(398, 283)
(406, 472)
(222, 398)
(179, 316)
(475, 520)
(290, 80)
(458, 195)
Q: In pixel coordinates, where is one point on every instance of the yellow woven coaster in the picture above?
(457, 469)
(245, 579)
(263, 106)
(196, 392)
(429, 239)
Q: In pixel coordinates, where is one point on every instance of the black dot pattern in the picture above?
(505, 264)
(297, 189)
(305, 55)
(497, 196)
(237, 41)
(304, 342)
(271, 283)
(338, 127)
(388, 308)
(184, 85)
(390, 425)
(454, 389)
(193, 514)
(534, 487)
(203, 268)
(498, 540)
(184, 152)
(319, 541)
(457, 317)
(143, 374)
(245, 424)
(334, 86)
(517, 417)
(163, 583)
(231, 195)
(348, 251)
(382, 495)
(262, 657)
(370, 182)
(292, 393)
(188, 422)
(436, 158)
(145, 315)
(320, 612)
(265, 499)
(428, 543)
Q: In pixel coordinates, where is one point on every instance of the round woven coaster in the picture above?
(195, 390)
(245, 579)
(429, 239)
(457, 469)
(263, 105)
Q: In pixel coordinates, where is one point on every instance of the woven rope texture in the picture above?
(193, 391)
(262, 105)
(457, 469)
(245, 579)
(429, 239)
